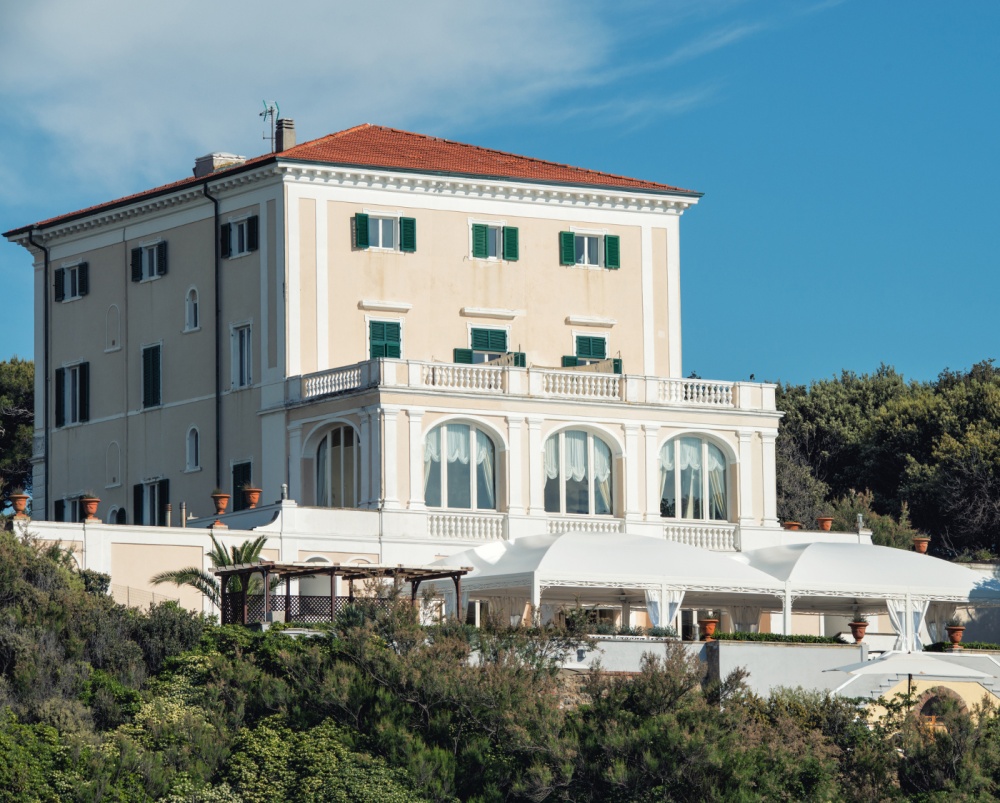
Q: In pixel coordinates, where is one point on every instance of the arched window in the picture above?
(193, 450)
(337, 468)
(693, 480)
(192, 319)
(459, 468)
(578, 474)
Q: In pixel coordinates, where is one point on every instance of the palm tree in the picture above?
(208, 584)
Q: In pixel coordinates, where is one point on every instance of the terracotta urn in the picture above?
(858, 630)
(920, 543)
(955, 635)
(221, 501)
(89, 504)
(824, 523)
(20, 503)
(707, 628)
(792, 525)
(252, 496)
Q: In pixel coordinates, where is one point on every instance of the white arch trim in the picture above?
(598, 430)
(311, 441)
(732, 456)
(496, 435)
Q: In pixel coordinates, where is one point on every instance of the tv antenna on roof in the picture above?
(271, 112)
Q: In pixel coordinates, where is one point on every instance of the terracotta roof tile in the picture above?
(377, 146)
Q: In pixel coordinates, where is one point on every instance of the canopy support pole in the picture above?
(786, 611)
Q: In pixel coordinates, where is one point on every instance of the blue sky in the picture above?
(847, 150)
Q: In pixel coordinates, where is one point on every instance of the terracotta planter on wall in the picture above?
(955, 635)
(858, 630)
(824, 523)
(221, 501)
(792, 525)
(252, 496)
(20, 503)
(707, 628)
(920, 544)
(90, 504)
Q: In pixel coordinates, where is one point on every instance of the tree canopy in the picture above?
(17, 415)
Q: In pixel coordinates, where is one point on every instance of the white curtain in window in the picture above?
(897, 616)
(552, 457)
(666, 466)
(672, 599)
(653, 606)
(576, 455)
(938, 614)
(322, 482)
(717, 481)
(484, 459)
(746, 618)
(602, 475)
(458, 443)
(432, 452)
(918, 610)
(690, 454)
(662, 605)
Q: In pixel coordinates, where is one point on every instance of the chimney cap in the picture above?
(210, 162)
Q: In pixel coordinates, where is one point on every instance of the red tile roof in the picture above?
(376, 146)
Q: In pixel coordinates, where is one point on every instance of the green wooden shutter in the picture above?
(612, 251)
(161, 258)
(520, 359)
(498, 340)
(83, 278)
(384, 337)
(59, 284)
(361, 230)
(480, 339)
(138, 497)
(407, 234)
(479, 237)
(463, 356)
(617, 365)
(489, 340)
(392, 340)
(253, 233)
(60, 396)
(242, 475)
(162, 500)
(136, 264)
(567, 248)
(59, 510)
(376, 338)
(593, 348)
(570, 362)
(225, 240)
(151, 376)
(83, 381)
(511, 250)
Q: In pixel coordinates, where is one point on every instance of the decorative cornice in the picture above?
(590, 320)
(491, 312)
(384, 306)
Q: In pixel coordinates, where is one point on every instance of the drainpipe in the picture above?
(45, 369)
(218, 339)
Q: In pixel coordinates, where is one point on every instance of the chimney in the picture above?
(284, 135)
(209, 163)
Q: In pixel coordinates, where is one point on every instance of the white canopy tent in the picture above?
(918, 591)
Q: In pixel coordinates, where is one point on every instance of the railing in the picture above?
(583, 524)
(696, 391)
(337, 380)
(302, 608)
(476, 378)
(474, 526)
(717, 537)
(578, 385)
(136, 597)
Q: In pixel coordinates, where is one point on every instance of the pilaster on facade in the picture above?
(295, 488)
(769, 478)
(415, 417)
(536, 468)
(632, 473)
(390, 496)
(745, 472)
(515, 461)
(652, 434)
(365, 438)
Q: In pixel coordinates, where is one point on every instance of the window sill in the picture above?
(193, 470)
(187, 331)
(70, 299)
(157, 406)
(239, 255)
(112, 350)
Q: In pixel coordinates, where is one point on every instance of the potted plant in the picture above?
(251, 495)
(955, 630)
(858, 628)
(89, 502)
(221, 500)
(19, 500)
(706, 626)
(920, 543)
(792, 525)
(824, 522)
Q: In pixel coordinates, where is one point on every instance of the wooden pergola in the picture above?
(235, 605)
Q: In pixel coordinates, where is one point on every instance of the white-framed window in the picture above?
(590, 249)
(494, 241)
(239, 237)
(71, 282)
(192, 313)
(149, 261)
(459, 468)
(693, 480)
(152, 380)
(242, 357)
(381, 232)
(192, 450)
(150, 500)
(337, 468)
(385, 231)
(67, 509)
(72, 396)
(587, 248)
(578, 474)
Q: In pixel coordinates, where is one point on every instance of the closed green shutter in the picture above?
(136, 264)
(479, 232)
(570, 362)
(385, 339)
(225, 240)
(60, 396)
(253, 233)
(392, 340)
(161, 258)
(567, 248)
(463, 356)
(83, 278)
(489, 340)
(617, 365)
(59, 284)
(361, 230)
(511, 250)
(151, 376)
(612, 252)
(83, 403)
(592, 348)
(520, 359)
(407, 234)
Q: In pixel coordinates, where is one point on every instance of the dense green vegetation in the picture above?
(101, 702)
(906, 455)
(17, 415)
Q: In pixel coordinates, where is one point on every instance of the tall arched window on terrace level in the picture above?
(459, 468)
(337, 468)
(578, 474)
(693, 480)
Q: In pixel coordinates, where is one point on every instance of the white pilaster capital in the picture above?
(745, 437)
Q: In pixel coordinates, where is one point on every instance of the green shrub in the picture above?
(778, 637)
